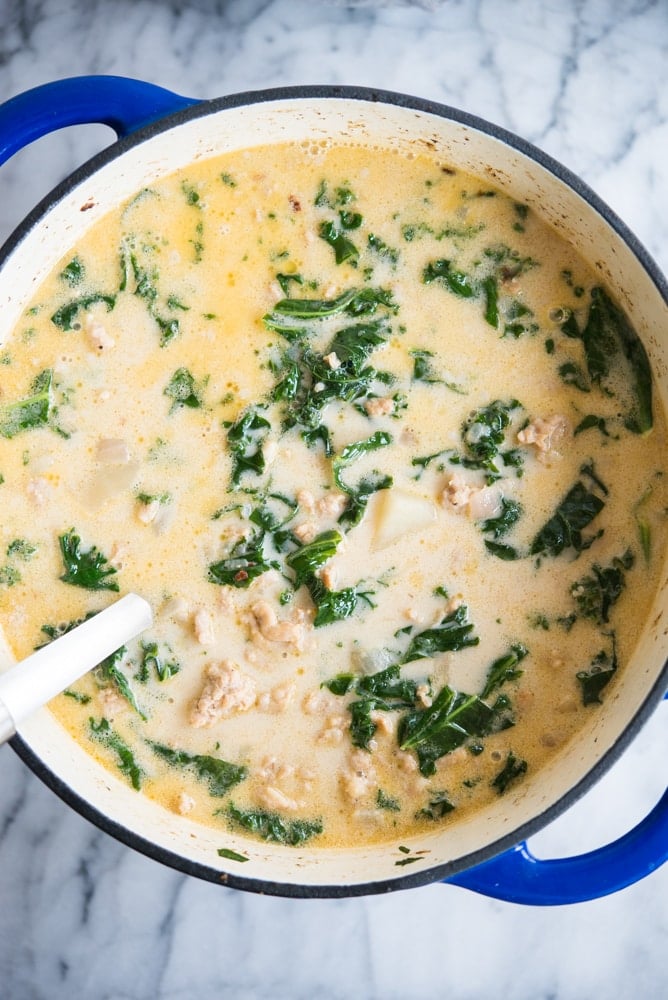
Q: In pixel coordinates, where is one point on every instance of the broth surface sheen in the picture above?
(380, 451)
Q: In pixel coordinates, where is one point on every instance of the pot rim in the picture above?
(442, 871)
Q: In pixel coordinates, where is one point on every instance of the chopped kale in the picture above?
(455, 281)
(64, 317)
(244, 564)
(21, 549)
(596, 593)
(230, 855)
(245, 439)
(600, 673)
(183, 390)
(344, 249)
(385, 801)
(483, 433)
(439, 805)
(512, 770)
(89, 569)
(127, 765)
(448, 723)
(511, 511)
(109, 672)
(152, 660)
(271, 827)
(309, 558)
(453, 633)
(219, 774)
(74, 272)
(504, 669)
(352, 452)
(32, 411)
(380, 247)
(564, 529)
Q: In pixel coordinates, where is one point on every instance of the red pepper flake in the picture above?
(240, 576)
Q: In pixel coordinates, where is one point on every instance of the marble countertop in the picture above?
(83, 916)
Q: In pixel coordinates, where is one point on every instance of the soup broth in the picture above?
(382, 454)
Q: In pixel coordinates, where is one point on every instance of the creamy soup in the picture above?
(380, 451)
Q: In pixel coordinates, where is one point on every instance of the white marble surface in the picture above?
(82, 916)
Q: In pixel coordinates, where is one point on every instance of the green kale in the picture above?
(226, 852)
(609, 342)
(245, 438)
(152, 659)
(64, 317)
(309, 558)
(74, 272)
(273, 828)
(455, 281)
(498, 526)
(244, 564)
(600, 673)
(22, 549)
(380, 247)
(483, 434)
(504, 669)
(127, 765)
(564, 529)
(439, 805)
(109, 672)
(352, 452)
(344, 249)
(448, 723)
(385, 801)
(358, 498)
(452, 634)
(596, 593)
(183, 390)
(219, 774)
(513, 769)
(33, 411)
(89, 569)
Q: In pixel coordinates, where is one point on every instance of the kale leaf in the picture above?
(220, 775)
(127, 765)
(89, 569)
(33, 411)
(271, 827)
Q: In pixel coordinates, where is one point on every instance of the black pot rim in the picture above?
(440, 872)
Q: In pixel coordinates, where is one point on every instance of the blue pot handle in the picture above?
(518, 877)
(121, 103)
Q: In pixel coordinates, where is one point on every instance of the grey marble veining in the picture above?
(83, 916)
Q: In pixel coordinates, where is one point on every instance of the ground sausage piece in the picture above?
(226, 691)
(270, 628)
(546, 435)
(379, 406)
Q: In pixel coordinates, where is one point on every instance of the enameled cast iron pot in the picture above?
(159, 132)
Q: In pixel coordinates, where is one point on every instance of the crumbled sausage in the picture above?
(379, 406)
(545, 435)
(332, 504)
(226, 691)
(305, 499)
(270, 628)
(305, 532)
(273, 798)
(360, 777)
(204, 627)
(184, 804)
(278, 699)
(98, 336)
(332, 360)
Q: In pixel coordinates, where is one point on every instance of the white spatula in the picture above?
(28, 685)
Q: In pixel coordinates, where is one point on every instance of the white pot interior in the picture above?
(526, 180)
